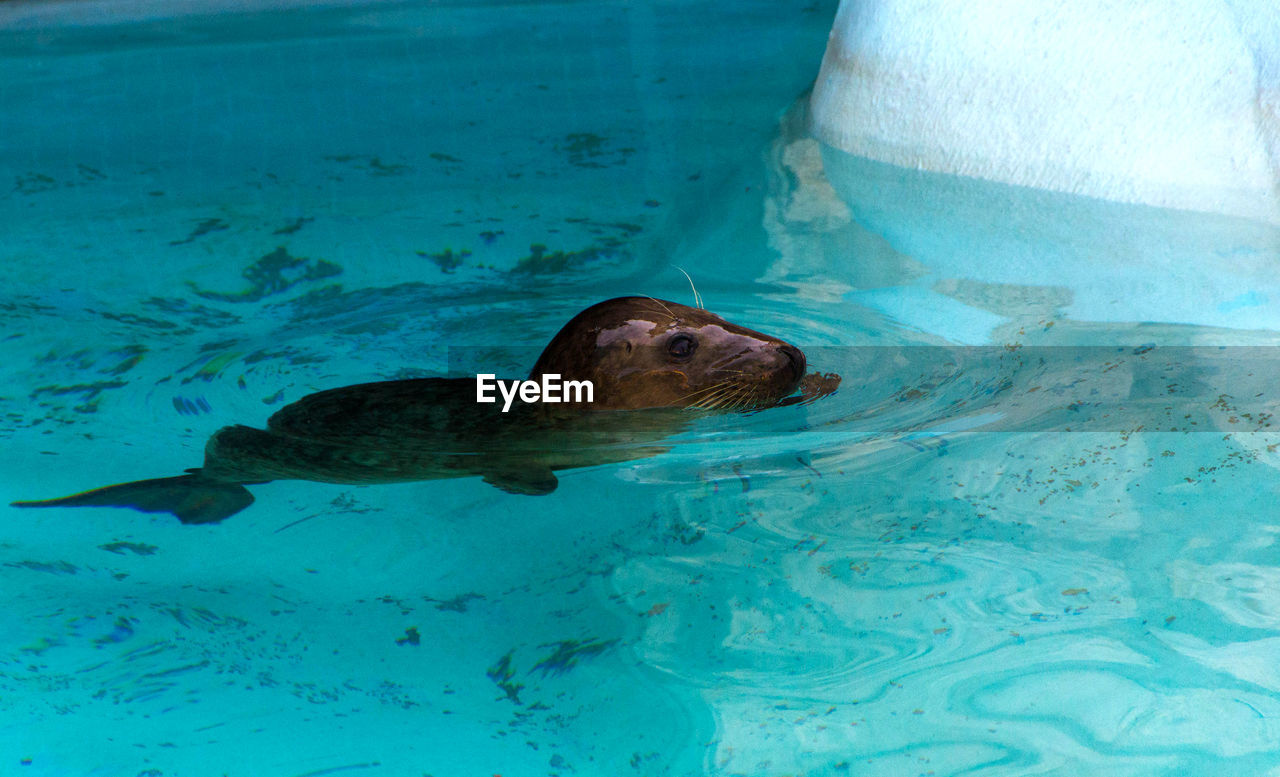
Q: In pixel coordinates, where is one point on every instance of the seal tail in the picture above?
(192, 498)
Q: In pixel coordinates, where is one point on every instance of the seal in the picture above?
(650, 361)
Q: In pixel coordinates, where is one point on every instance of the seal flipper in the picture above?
(532, 481)
(192, 498)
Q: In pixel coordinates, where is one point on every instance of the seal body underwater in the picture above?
(648, 360)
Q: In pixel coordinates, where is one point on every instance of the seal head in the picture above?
(641, 352)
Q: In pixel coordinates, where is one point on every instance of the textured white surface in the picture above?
(1175, 104)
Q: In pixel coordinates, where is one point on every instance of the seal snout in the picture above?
(795, 358)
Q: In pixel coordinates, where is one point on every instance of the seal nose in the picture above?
(796, 357)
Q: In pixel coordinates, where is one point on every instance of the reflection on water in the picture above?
(1031, 533)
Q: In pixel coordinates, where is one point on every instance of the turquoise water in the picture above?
(1033, 533)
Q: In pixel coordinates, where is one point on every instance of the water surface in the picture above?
(1032, 534)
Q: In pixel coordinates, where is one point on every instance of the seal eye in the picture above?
(682, 346)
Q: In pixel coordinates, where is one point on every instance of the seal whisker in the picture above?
(711, 400)
(664, 307)
(706, 395)
(697, 298)
(708, 402)
(659, 315)
(728, 387)
(744, 398)
(712, 387)
(729, 399)
(653, 310)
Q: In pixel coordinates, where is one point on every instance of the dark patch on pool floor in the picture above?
(370, 164)
(131, 356)
(156, 325)
(447, 260)
(195, 315)
(274, 273)
(201, 229)
(567, 652)
(293, 226)
(136, 548)
(501, 674)
(24, 305)
(456, 604)
(90, 173)
(87, 391)
(541, 261)
(52, 567)
(34, 183)
(587, 149)
(121, 630)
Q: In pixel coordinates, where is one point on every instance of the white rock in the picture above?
(1174, 104)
